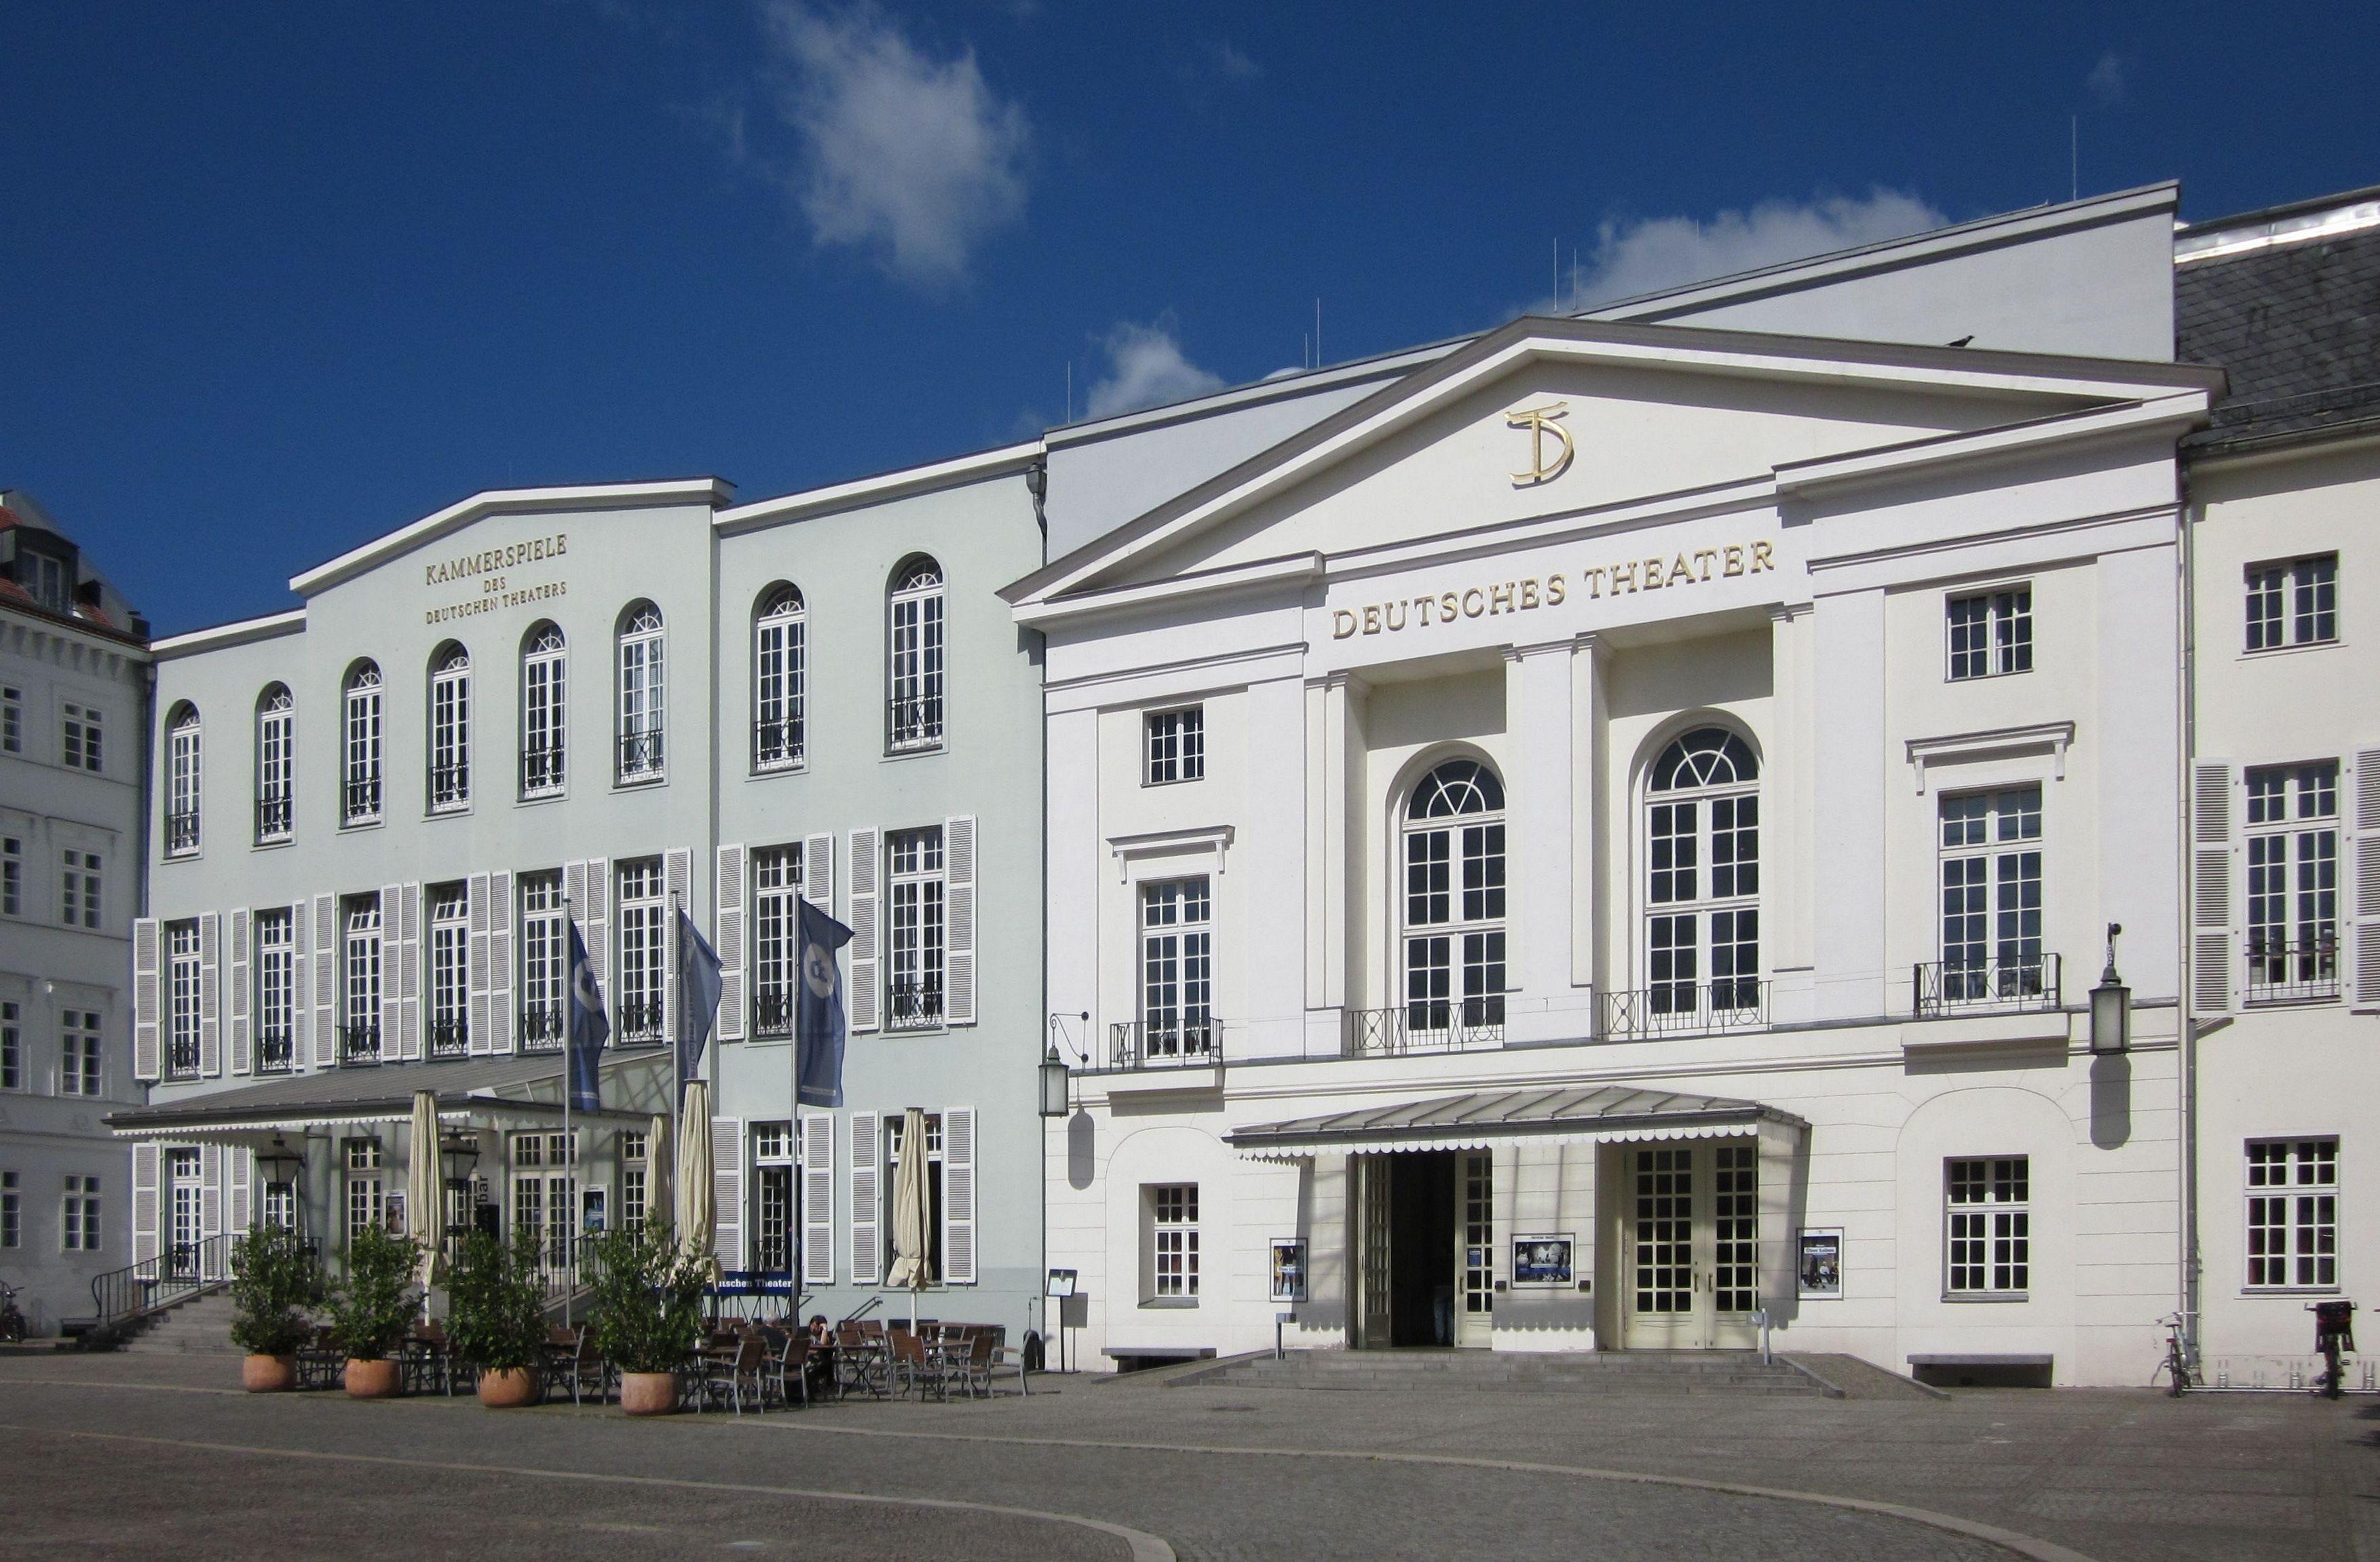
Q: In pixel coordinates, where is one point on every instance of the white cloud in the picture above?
(912, 158)
(1146, 368)
(1647, 256)
(2106, 82)
(1229, 63)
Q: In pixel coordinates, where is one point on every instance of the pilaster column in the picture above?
(1847, 792)
(1538, 718)
(1787, 827)
(1590, 664)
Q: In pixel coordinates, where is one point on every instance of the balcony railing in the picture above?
(182, 1057)
(1165, 1044)
(2032, 982)
(275, 1050)
(450, 786)
(1681, 1008)
(181, 834)
(913, 1006)
(359, 1043)
(540, 1027)
(272, 817)
(913, 721)
(1432, 1025)
(777, 745)
(450, 1038)
(360, 804)
(635, 1021)
(540, 771)
(640, 755)
(2292, 971)
(773, 1013)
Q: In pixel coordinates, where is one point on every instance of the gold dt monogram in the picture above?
(1539, 422)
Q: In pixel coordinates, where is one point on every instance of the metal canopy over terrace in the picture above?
(1602, 1114)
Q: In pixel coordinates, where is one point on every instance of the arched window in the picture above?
(643, 704)
(276, 762)
(359, 769)
(780, 674)
(544, 685)
(1455, 904)
(450, 729)
(182, 777)
(914, 715)
(1702, 886)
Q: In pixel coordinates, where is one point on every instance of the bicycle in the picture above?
(2176, 1365)
(12, 1322)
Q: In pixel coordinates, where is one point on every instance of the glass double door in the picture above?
(1690, 1271)
(1426, 1245)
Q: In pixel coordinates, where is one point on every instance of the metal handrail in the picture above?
(272, 816)
(1681, 1008)
(1430, 1025)
(913, 1005)
(773, 1013)
(777, 744)
(362, 798)
(2289, 969)
(176, 1273)
(1165, 1044)
(913, 721)
(182, 1057)
(450, 1038)
(539, 1028)
(181, 832)
(358, 1043)
(541, 770)
(276, 1051)
(450, 785)
(640, 755)
(1940, 987)
(636, 1019)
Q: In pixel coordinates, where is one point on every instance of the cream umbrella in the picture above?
(698, 1211)
(422, 1215)
(657, 1169)
(911, 1268)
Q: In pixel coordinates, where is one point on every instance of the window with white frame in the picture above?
(12, 719)
(1991, 634)
(544, 962)
(643, 701)
(360, 986)
(12, 1211)
(12, 875)
(182, 775)
(1702, 887)
(1454, 901)
(450, 730)
(895, 1130)
(276, 762)
(915, 979)
(775, 1220)
(1172, 1215)
(79, 873)
(1176, 972)
(182, 1000)
(1991, 897)
(636, 1152)
(359, 797)
(2293, 882)
(367, 1204)
(450, 971)
(776, 939)
(2293, 602)
(277, 1205)
(780, 676)
(80, 1071)
(276, 992)
(82, 745)
(545, 668)
(1177, 746)
(2292, 1214)
(1989, 1230)
(637, 984)
(12, 1047)
(78, 1222)
(915, 716)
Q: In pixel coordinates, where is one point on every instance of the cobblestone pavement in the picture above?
(111, 1455)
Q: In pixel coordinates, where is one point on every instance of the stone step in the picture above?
(1442, 1371)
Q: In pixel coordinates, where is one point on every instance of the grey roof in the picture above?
(1521, 1113)
(361, 1093)
(2297, 328)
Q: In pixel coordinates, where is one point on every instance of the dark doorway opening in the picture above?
(1421, 1247)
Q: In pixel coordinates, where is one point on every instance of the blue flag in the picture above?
(698, 997)
(818, 1024)
(588, 1028)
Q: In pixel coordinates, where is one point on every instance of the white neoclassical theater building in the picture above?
(1605, 840)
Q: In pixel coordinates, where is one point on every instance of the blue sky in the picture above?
(276, 278)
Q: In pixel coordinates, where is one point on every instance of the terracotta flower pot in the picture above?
(268, 1374)
(371, 1379)
(648, 1393)
(502, 1389)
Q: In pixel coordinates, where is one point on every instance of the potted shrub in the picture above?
(646, 1315)
(371, 1306)
(496, 1316)
(273, 1281)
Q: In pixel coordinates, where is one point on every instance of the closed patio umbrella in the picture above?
(423, 1214)
(698, 1211)
(657, 1167)
(911, 1268)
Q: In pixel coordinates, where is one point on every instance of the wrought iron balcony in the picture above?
(913, 1005)
(2292, 971)
(773, 1013)
(1169, 1043)
(359, 1043)
(450, 785)
(777, 745)
(1681, 1008)
(540, 1027)
(275, 1050)
(2024, 983)
(913, 721)
(640, 755)
(541, 770)
(272, 817)
(182, 1055)
(181, 834)
(450, 1038)
(636, 1021)
(361, 802)
(1430, 1025)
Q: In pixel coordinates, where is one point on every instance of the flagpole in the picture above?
(569, 1144)
(677, 1039)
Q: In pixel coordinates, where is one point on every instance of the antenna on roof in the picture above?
(2074, 156)
(1318, 332)
(1070, 393)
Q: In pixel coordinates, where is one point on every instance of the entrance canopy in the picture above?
(1579, 1116)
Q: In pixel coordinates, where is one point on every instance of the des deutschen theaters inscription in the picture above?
(496, 590)
(1626, 577)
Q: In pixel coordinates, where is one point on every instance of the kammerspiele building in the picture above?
(74, 686)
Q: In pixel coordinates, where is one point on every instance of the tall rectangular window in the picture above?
(276, 764)
(1991, 634)
(1991, 895)
(276, 994)
(918, 899)
(82, 745)
(182, 774)
(450, 971)
(643, 705)
(80, 1071)
(1177, 744)
(1173, 1243)
(361, 972)
(366, 1202)
(2293, 882)
(12, 719)
(1990, 1227)
(361, 759)
(544, 961)
(637, 1000)
(913, 719)
(544, 683)
(777, 936)
(2292, 1214)
(2294, 604)
(78, 889)
(12, 875)
(12, 1047)
(636, 1152)
(780, 674)
(773, 1216)
(12, 1211)
(450, 732)
(182, 1000)
(895, 1131)
(79, 1224)
(1176, 970)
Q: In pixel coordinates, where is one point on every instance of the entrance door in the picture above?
(187, 1232)
(1474, 1257)
(1373, 1292)
(1425, 1248)
(1693, 1256)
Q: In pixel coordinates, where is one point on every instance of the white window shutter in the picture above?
(818, 872)
(867, 990)
(959, 869)
(409, 1017)
(727, 926)
(301, 995)
(144, 1201)
(483, 1030)
(677, 885)
(211, 1193)
(211, 994)
(146, 1064)
(2211, 887)
(727, 1189)
(392, 960)
(958, 1195)
(866, 1249)
(242, 1162)
(595, 916)
(817, 1197)
(326, 980)
(573, 887)
(243, 1041)
(2364, 949)
(500, 963)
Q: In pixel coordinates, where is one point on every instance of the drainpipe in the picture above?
(2184, 1009)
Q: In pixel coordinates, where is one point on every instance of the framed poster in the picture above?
(1821, 1268)
(1543, 1261)
(1289, 1269)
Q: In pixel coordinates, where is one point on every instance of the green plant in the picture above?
(372, 1305)
(272, 1280)
(647, 1298)
(496, 1315)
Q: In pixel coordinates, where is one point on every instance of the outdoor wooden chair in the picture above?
(789, 1376)
(574, 1362)
(727, 1371)
(912, 1366)
(967, 1361)
(319, 1360)
(860, 1362)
